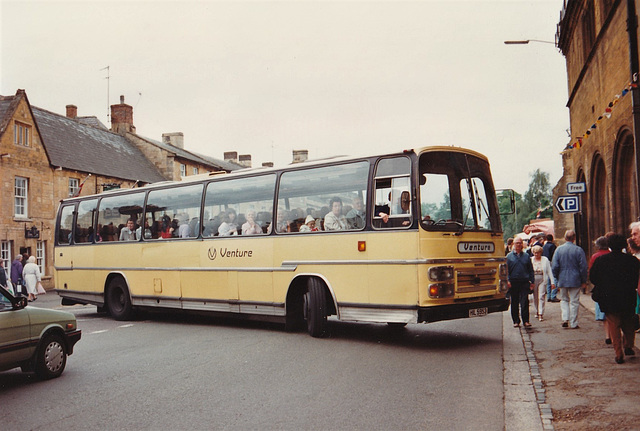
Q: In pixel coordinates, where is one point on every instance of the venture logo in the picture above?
(225, 252)
(476, 247)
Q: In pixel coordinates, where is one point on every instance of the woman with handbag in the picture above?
(31, 277)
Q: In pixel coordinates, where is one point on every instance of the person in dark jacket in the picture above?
(615, 276)
(520, 282)
(16, 275)
(547, 251)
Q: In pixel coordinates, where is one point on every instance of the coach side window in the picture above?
(85, 231)
(329, 198)
(172, 213)
(392, 207)
(114, 211)
(240, 206)
(65, 225)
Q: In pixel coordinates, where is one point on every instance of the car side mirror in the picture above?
(19, 303)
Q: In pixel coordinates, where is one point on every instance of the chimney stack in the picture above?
(72, 111)
(300, 156)
(176, 139)
(122, 118)
(231, 156)
(245, 160)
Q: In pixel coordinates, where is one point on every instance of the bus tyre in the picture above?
(51, 357)
(316, 308)
(118, 302)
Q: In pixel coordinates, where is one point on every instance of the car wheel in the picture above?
(51, 357)
(117, 301)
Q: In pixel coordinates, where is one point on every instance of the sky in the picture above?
(332, 77)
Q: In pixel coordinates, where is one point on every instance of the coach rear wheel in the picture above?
(118, 301)
(315, 307)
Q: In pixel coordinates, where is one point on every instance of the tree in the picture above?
(538, 196)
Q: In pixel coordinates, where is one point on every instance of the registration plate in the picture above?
(478, 312)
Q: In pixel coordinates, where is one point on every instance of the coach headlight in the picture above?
(441, 273)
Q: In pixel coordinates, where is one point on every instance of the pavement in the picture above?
(559, 378)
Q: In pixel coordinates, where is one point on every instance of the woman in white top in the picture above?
(31, 276)
(542, 271)
(228, 226)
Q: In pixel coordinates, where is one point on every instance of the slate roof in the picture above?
(85, 144)
(182, 153)
(77, 146)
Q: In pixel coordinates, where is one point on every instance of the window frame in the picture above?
(21, 201)
(73, 189)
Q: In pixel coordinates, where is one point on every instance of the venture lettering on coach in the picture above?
(476, 247)
(226, 252)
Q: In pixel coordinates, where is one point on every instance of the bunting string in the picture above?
(578, 142)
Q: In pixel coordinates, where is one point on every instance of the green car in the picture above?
(35, 339)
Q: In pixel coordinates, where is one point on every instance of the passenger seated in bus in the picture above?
(147, 230)
(228, 226)
(128, 232)
(194, 227)
(309, 225)
(210, 227)
(334, 220)
(382, 212)
(183, 226)
(355, 217)
(283, 221)
(167, 228)
(250, 227)
(93, 235)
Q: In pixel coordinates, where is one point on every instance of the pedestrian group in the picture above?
(549, 272)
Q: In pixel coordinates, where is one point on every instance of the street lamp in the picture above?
(525, 42)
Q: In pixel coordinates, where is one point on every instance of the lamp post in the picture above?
(526, 42)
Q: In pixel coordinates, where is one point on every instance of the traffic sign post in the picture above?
(568, 204)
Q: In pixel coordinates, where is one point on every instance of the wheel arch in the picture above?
(298, 287)
(110, 277)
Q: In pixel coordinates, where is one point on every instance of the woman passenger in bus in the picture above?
(228, 226)
(250, 227)
(309, 225)
(167, 228)
(334, 220)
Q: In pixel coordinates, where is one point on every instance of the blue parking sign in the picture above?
(568, 204)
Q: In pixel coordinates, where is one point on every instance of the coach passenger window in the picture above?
(172, 213)
(85, 230)
(240, 206)
(114, 211)
(65, 225)
(393, 193)
(332, 196)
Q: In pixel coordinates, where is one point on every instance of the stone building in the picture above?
(593, 37)
(46, 157)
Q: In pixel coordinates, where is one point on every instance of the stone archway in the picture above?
(581, 220)
(598, 200)
(624, 183)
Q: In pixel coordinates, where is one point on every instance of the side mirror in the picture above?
(19, 303)
(509, 194)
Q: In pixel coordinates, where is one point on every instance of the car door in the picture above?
(14, 334)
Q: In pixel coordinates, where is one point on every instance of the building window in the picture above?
(22, 134)
(74, 186)
(195, 171)
(5, 257)
(40, 256)
(20, 197)
(588, 28)
(183, 170)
